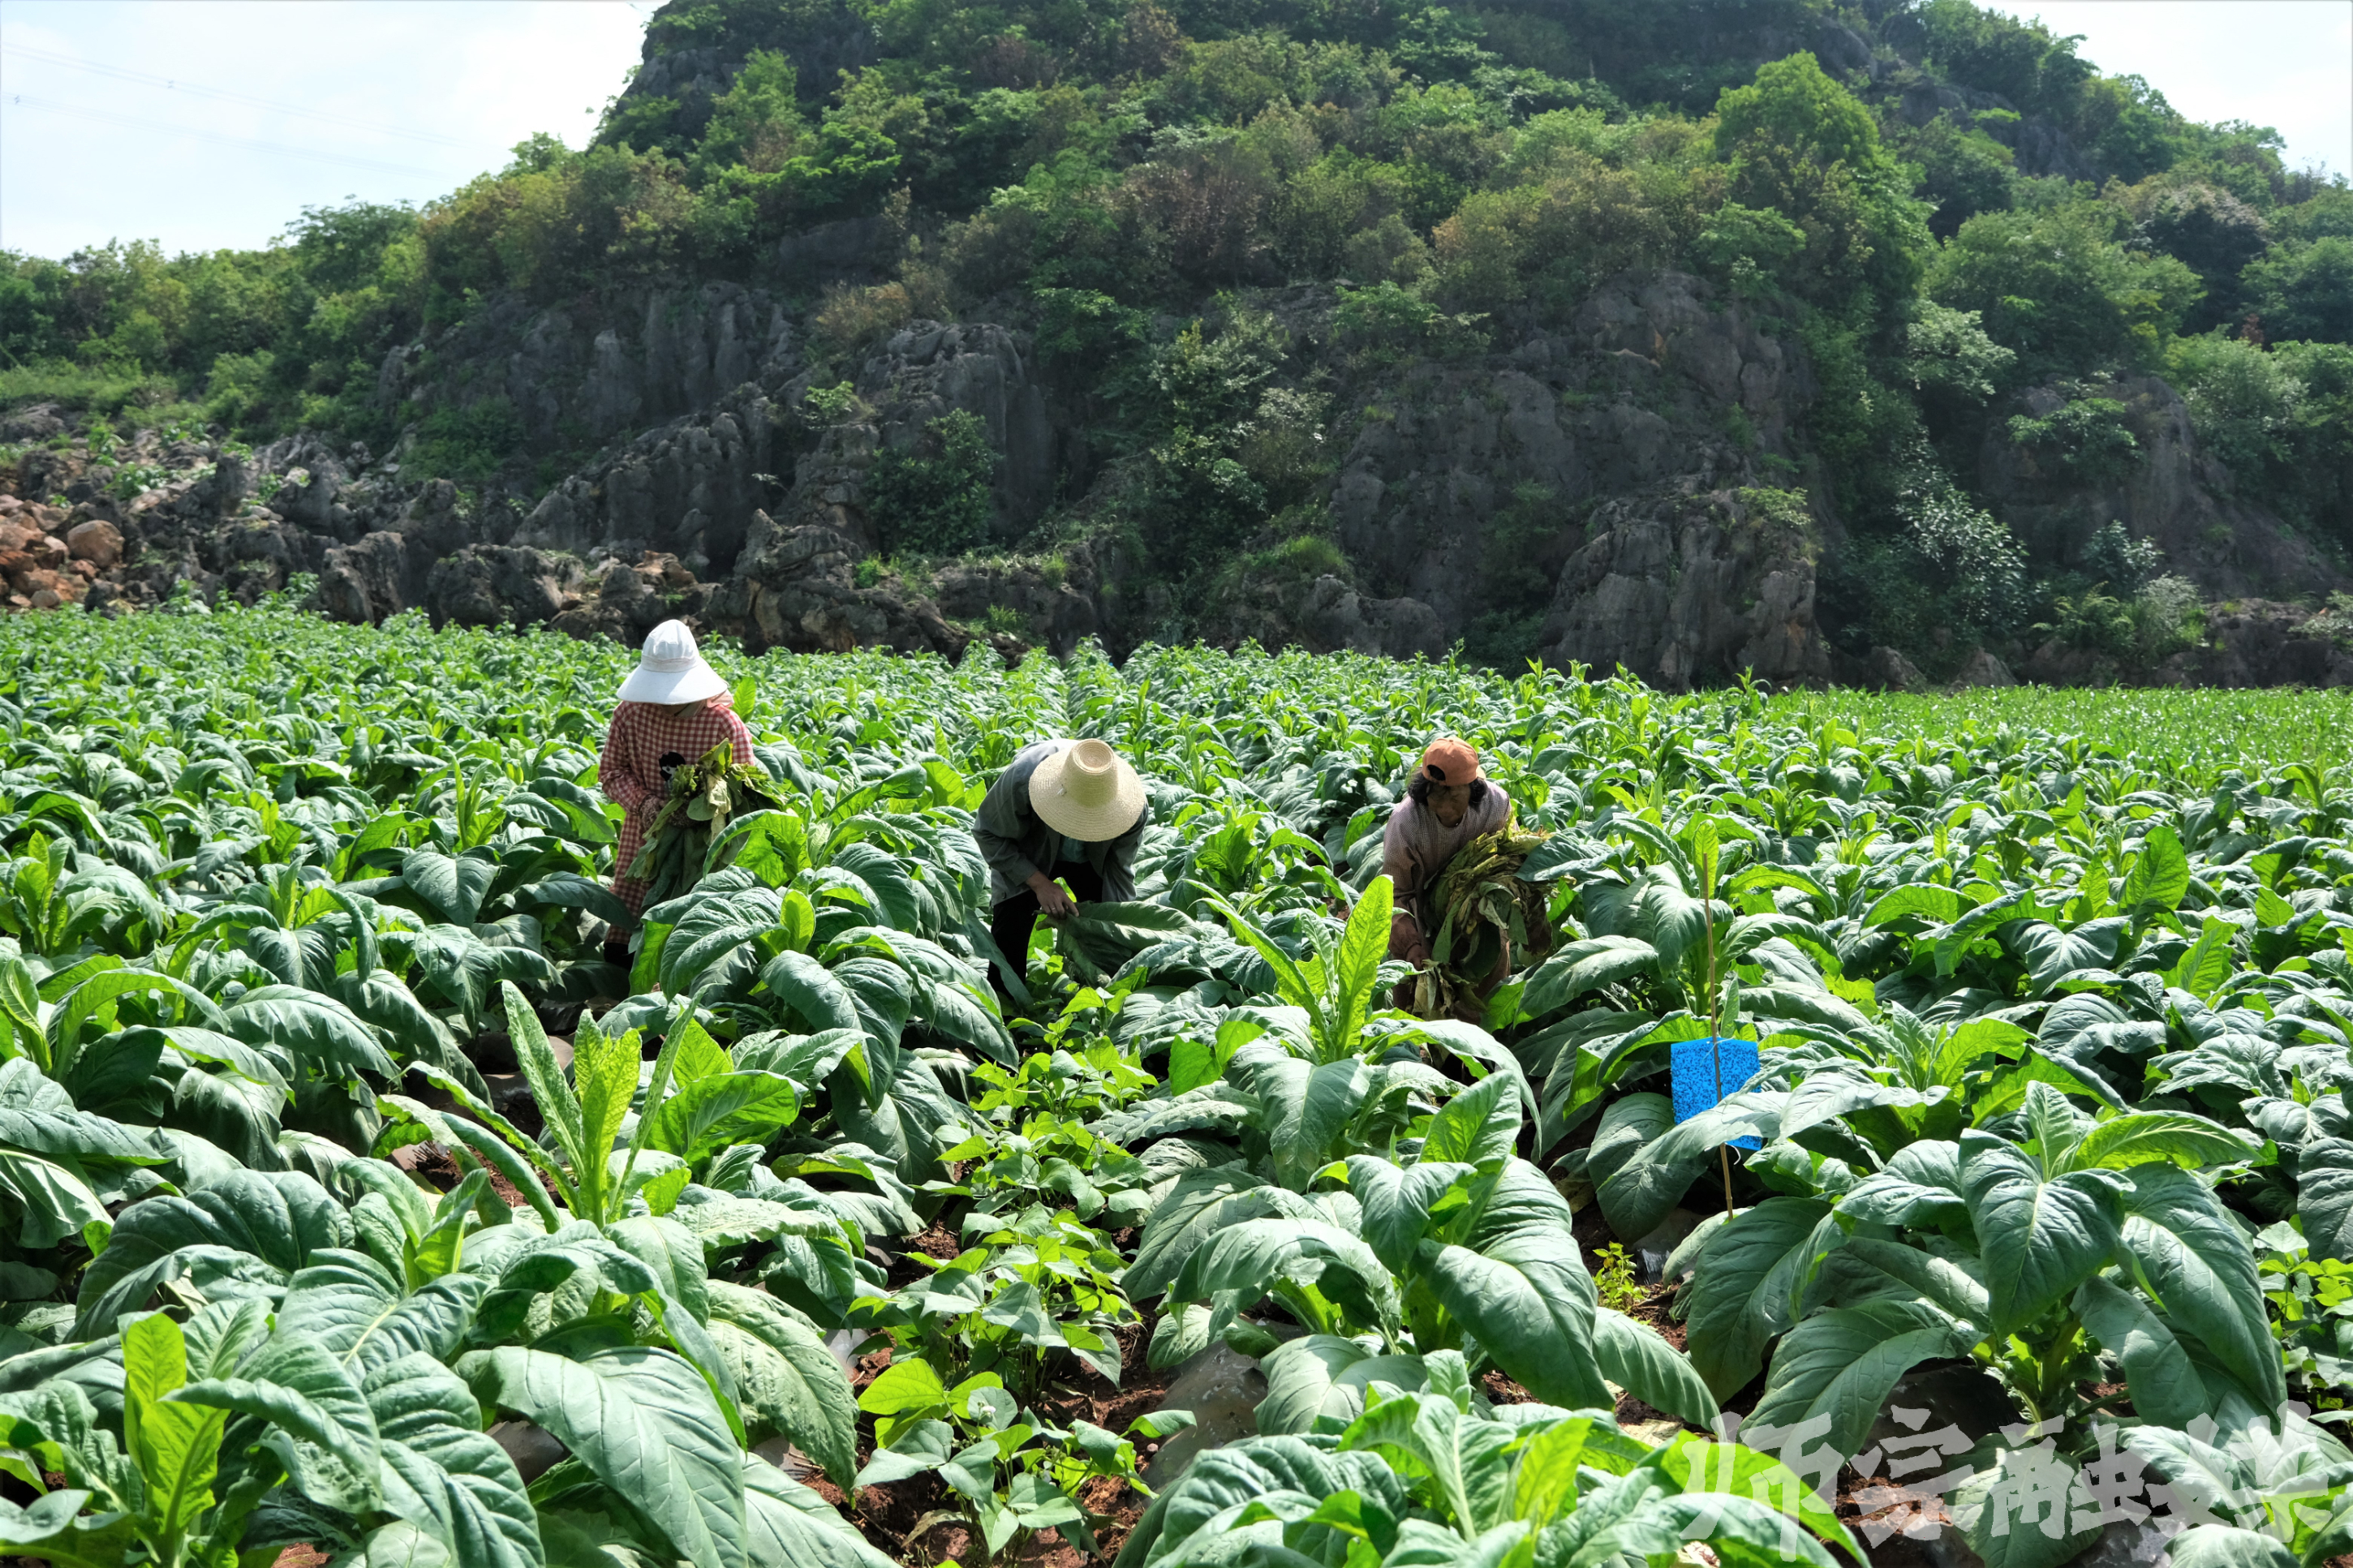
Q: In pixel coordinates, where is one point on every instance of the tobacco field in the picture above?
(350, 1202)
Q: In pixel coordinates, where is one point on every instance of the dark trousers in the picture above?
(1010, 922)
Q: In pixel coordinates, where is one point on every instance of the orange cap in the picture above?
(1449, 762)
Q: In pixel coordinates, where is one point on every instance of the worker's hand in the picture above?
(1056, 903)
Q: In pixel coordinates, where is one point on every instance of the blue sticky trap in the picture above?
(1695, 1067)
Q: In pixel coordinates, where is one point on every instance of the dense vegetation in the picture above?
(303, 1182)
(1129, 180)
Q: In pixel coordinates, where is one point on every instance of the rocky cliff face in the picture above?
(1629, 490)
(1597, 467)
(2171, 493)
(639, 359)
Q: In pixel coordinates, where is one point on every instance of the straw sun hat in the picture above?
(1088, 791)
(671, 670)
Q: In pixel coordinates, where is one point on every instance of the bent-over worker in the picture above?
(674, 708)
(1448, 803)
(1062, 812)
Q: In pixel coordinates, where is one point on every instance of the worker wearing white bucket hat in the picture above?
(671, 669)
(674, 708)
(1062, 812)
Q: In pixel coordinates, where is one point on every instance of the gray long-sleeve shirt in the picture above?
(1416, 848)
(1015, 843)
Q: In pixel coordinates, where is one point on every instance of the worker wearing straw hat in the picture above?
(674, 708)
(1063, 812)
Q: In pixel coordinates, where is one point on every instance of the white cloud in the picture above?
(2288, 64)
(332, 99)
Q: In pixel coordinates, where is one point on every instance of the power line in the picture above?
(172, 84)
(27, 100)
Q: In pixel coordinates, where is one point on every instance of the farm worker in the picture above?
(1448, 803)
(1062, 810)
(674, 708)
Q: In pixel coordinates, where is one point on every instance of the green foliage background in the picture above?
(1093, 170)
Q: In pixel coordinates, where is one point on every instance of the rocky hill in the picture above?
(1735, 352)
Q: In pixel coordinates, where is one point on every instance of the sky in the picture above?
(277, 105)
(209, 123)
(2288, 64)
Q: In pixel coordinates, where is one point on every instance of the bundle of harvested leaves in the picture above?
(1486, 913)
(703, 795)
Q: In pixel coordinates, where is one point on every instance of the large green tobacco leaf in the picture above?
(2011, 1514)
(270, 1221)
(2325, 1198)
(711, 1113)
(1322, 1377)
(2052, 955)
(361, 1313)
(453, 886)
(1397, 1202)
(1745, 1289)
(1201, 1205)
(1256, 1254)
(817, 999)
(1632, 1355)
(1517, 1283)
(325, 1433)
(442, 1473)
(39, 1118)
(2165, 1385)
(1479, 1124)
(2159, 875)
(646, 1423)
(309, 1026)
(2137, 1138)
(176, 1445)
(2190, 1255)
(2223, 1546)
(1583, 966)
(2039, 1239)
(1307, 1108)
(786, 1377)
(1842, 1363)
(1221, 1478)
(789, 1526)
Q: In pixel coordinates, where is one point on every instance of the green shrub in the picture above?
(935, 499)
(2242, 401)
(469, 441)
(2085, 441)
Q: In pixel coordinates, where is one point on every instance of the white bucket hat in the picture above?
(670, 668)
(1088, 791)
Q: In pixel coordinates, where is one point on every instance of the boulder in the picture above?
(796, 589)
(1889, 670)
(1982, 668)
(1685, 589)
(370, 580)
(37, 422)
(631, 600)
(99, 544)
(497, 586)
(1334, 616)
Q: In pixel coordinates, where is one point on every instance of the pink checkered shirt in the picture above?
(629, 771)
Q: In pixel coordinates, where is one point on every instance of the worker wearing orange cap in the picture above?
(1448, 803)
